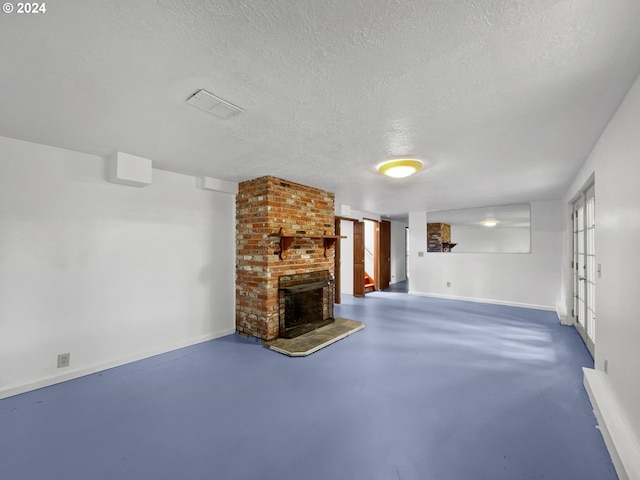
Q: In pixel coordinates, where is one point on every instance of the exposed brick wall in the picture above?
(437, 234)
(263, 206)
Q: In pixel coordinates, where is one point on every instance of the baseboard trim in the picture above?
(623, 447)
(486, 300)
(83, 371)
(563, 316)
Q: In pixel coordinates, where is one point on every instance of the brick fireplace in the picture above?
(282, 229)
(439, 237)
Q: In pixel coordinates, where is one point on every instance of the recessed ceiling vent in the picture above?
(214, 105)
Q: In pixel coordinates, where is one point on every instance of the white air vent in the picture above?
(214, 105)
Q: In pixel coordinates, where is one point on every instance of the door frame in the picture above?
(338, 259)
(376, 251)
(358, 252)
(583, 263)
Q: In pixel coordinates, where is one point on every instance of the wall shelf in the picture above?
(287, 239)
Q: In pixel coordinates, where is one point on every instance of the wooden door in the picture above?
(336, 265)
(358, 259)
(376, 254)
(384, 254)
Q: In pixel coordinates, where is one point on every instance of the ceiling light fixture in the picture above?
(490, 222)
(400, 168)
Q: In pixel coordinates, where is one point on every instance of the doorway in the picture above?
(371, 266)
(584, 267)
(377, 254)
(367, 249)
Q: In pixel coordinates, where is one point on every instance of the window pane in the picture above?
(580, 218)
(580, 243)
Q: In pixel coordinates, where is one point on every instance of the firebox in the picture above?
(306, 302)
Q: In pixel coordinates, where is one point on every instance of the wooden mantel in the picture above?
(288, 238)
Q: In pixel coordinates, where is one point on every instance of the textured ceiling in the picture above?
(502, 99)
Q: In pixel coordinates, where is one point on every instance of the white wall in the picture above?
(417, 251)
(511, 278)
(346, 257)
(615, 164)
(107, 272)
(398, 252)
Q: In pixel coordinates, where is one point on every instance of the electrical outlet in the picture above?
(606, 366)
(63, 360)
(448, 284)
(421, 254)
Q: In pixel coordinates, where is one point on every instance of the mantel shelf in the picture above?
(287, 239)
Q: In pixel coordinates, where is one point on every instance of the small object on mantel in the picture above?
(286, 239)
(448, 246)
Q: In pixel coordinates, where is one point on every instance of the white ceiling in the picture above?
(502, 99)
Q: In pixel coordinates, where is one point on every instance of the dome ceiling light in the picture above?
(400, 168)
(490, 222)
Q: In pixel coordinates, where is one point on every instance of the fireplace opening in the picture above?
(306, 302)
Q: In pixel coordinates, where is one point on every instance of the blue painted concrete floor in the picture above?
(430, 389)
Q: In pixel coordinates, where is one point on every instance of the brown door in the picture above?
(376, 254)
(358, 259)
(336, 265)
(384, 254)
